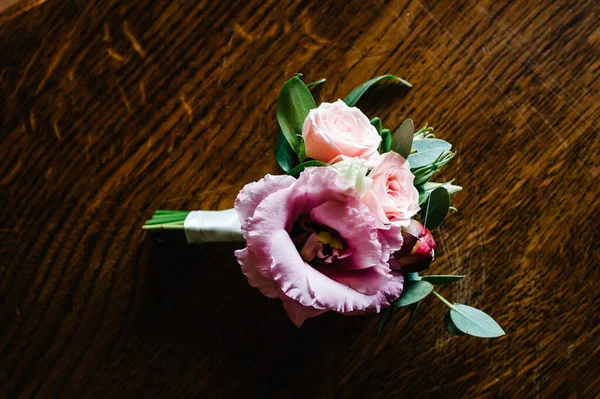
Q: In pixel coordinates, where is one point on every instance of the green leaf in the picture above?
(435, 208)
(284, 154)
(474, 322)
(422, 194)
(293, 105)
(355, 95)
(442, 279)
(413, 310)
(386, 140)
(403, 138)
(413, 292)
(377, 123)
(316, 83)
(296, 171)
(452, 329)
(428, 151)
(302, 152)
(384, 318)
(422, 175)
(412, 276)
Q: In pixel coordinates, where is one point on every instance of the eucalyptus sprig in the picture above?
(459, 320)
(427, 155)
(462, 319)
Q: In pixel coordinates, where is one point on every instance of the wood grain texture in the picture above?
(112, 109)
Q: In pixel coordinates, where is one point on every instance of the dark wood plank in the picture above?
(111, 109)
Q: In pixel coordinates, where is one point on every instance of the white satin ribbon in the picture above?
(212, 226)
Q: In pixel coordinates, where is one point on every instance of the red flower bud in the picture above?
(417, 250)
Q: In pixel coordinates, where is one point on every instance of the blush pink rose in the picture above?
(393, 196)
(313, 244)
(335, 131)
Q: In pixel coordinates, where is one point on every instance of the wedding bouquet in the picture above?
(348, 228)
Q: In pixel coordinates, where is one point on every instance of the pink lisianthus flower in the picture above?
(333, 132)
(312, 243)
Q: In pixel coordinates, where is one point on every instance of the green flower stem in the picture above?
(173, 218)
(169, 213)
(166, 220)
(441, 298)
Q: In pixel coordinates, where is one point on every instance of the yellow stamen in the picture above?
(324, 237)
(336, 243)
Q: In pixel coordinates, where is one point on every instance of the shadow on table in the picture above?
(197, 301)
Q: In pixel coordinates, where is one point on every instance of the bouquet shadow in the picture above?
(196, 298)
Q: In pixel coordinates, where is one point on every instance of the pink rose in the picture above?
(335, 131)
(313, 244)
(393, 197)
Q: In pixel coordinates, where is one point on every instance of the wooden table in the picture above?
(111, 109)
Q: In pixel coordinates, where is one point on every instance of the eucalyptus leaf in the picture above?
(413, 310)
(403, 138)
(474, 322)
(413, 292)
(427, 152)
(442, 279)
(355, 95)
(284, 154)
(316, 83)
(450, 327)
(293, 105)
(385, 317)
(296, 171)
(435, 208)
(411, 276)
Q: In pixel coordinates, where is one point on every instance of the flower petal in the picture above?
(393, 186)
(371, 201)
(250, 267)
(299, 313)
(253, 193)
(311, 248)
(392, 237)
(367, 281)
(308, 286)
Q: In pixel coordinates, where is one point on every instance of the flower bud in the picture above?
(417, 250)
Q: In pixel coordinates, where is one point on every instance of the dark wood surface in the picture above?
(111, 109)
